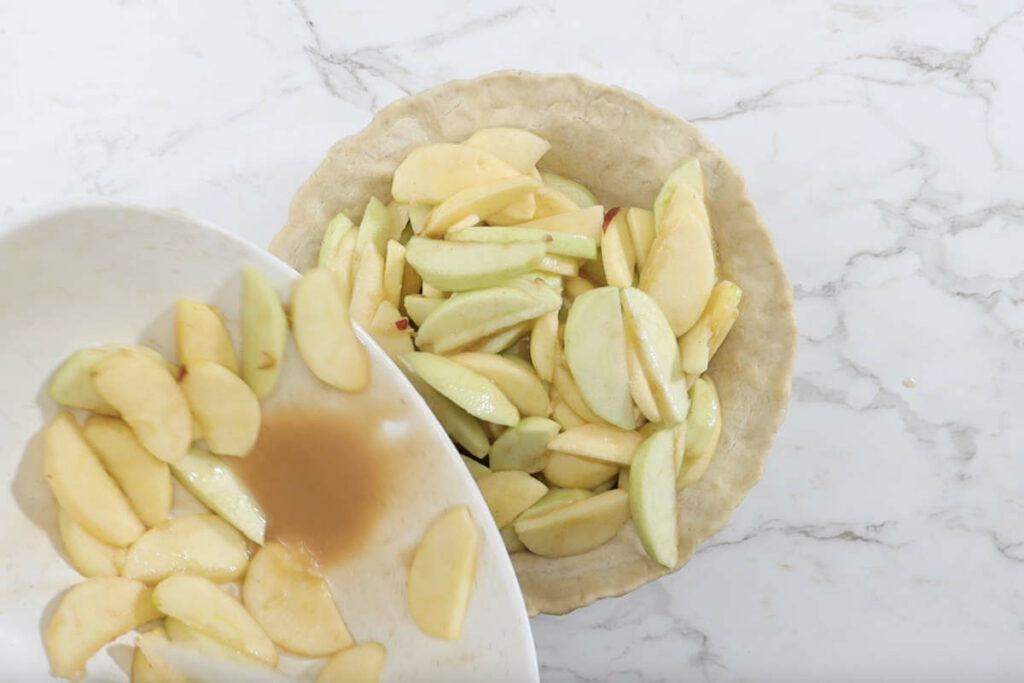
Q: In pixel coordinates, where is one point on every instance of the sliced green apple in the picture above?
(640, 223)
(599, 442)
(462, 427)
(551, 202)
(587, 222)
(433, 173)
(701, 341)
(703, 430)
(501, 340)
(617, 252)
(559, 265)
(394, 272)
(202, 545)
(472, 392)
(264, 332)
(575, 528)
(652, 497)
(367, 285)
(218, 487)
(331, 242)
(565, 385)
(519, 148)
(650, 333)
(419, 307)
(524, 446)
(559, 243)
(639, 387)
(687, 178)
(575, 472)
(375, 227)
(418, 217)
(476, 469)
(544, 345)
(482, 200)
(513, 376)
(455, 266)
(202, 336)
(72, 386)
(576, 192)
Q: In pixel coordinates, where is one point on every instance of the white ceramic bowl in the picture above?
(106, 273)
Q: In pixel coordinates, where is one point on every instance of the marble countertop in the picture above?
(884, 144)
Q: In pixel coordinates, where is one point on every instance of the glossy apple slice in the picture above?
(575, 472)
(442, 573)
(701, 341)
(513, 376)
(218, 487)
(394, 272)
(617, 253)
(201, 335)
(652, 337)
(703, 430)
(640, 223)
(330, 244)
(639, 387)
(688, 178)
(574, 191)
(361, 663)
(544, 345)
(551, 202)
(433, 173)
(367, 285)
(203, 545)
(455, 266)
(375, 227)
(652, 497)
(509, 493)
(469, 390)
(89, 555)
(264, 332)
(519, 148)
(227, 411)
(558, 243)
(524, 446)
(575, 528)
(599, 442)
(72, 386)
(586, 222)
(481, 200)
(464, 429)
(501, 340)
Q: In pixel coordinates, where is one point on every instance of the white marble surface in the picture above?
(884, 143)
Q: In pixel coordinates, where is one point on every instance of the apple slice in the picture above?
(687, 179)
(558, 243)
(513, 376)
(474, 393)
(289, 598)
(419, 307)
(464, 429)
(599, 442)
(587, 222)
(459, 266)
(576, 286)
(511, 541)
(432, 292)
(330, 244)
(433, 173)
(701, 341)
(227, 411)
(218, 487)
(367, 285)
(148, 665)
(375, 226)
(544, 345)
(83, 488)
(595, 351)
(640, 223)
(652, 497)
(554, 499)
(513, 214)
(651, 336)
(204, 545)
(575, 528)
(574, 472)
(501, 340)
(389, 329)
(551, 202)
(442, 573)
(476, 469)
(89, 616)
(617, 253)
(639, 387)
(72, 386)
(324, 334)
(418, 214)
(563, 414)
(361, 663)
(394, 272)
(574, 191)
(482, 200)
(145, 480)
(199, 603)
(509, 493)
(559, 265)
(519, 148)
(183, 635)
(703, 430)
(264, 332)
(623, 482)
(524, 446)
(89, 555)
(148, 399)
(565, 385)
(399, 219)
(201, 335)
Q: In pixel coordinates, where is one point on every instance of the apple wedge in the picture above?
(558, 243)
(83, 488)
(476, 469)
(601, 442)
(218, 487)
(703, 430)
(576, 192)
(513, 214)
(551, 202)
(513, 376)
(563, 414)
(375, 227)
(149, 400)
(289, 598)
(344, 265)
(652, 497)
(72, 386)
(361, 663)
(576, 286)
(519, 148)
(617, 253)
(145, 479)
(442, 573)
(148, 665)
(89, 555)
(419, 307)
(203, 545)
(201, 335)
(474, 393)
(575, 528)
(559, 265)
(595, 351)
(330, 244)
(454, 266)
(511, 541)
(462, 427)
(399, 220)
(481, 200)
(418, 216)
(639, 387)
(183, 635)
(264, 332)
(701, 341)
(367, 285)
(565, 385)
(509, 493)
(544, 345)
(575, 472)
(227, 411)
(324, 334)
(89, 616)
(199, 603)
(394, 272)
(651, 336)
(687, 179)
(586, 222)
(554, 499)
(501, 340)
(392, 331)
(433, 173)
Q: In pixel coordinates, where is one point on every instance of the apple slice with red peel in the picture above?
(652, 497)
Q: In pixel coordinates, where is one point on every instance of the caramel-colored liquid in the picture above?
(319, 478)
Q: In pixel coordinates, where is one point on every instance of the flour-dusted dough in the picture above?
(622, 148)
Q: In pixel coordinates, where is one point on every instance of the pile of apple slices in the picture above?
(562, 346)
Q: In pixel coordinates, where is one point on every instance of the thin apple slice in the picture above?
(145, 479)
(476, 469)
(511, 541)
(201, 335)
(599, 442)
(703, 430)
(89, 555)
(392, 331)
(433, 173)
(551, 202)
(574, 191)
(651, 336)
(227, 411)
(324, 334)
(183, 635)
(419, 307)
(474, 393)
(454, 266)
(513, 214)
(218, 487)
(524, 446)
(203, 545)
(442, 573)
(149, 400)
(639, 387)
(148, 665)
(555, 499)
(89, 616)
(563, 414)
(509, 493)
(83, 488)
(264, 332)
(330, 244)
(701, 341)
(575, 528)
(464, 429)
(432, 292)
(558, 243)
(375, 226)
(367, 285)
(394, 272)
(513, 376)
(617, 253)
(519, 148)
(289, 598)
(501, 340)
(566, 387)
(641, 232)
(482, 200)
(399, 221)
(559, 265)
(587, 222)
(574, 472)
(199, 603)
(687, 179)
(576, 286)
(72, 386)
(418, 214)
(623, 481)
(652, 497)
(595, 351)
(361, 663)
(544, 345)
